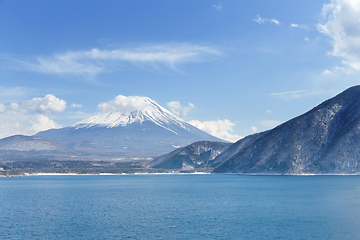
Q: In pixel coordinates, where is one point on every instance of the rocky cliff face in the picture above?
(194, 156)
(324, 140)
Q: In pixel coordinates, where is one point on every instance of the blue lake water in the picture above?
(180, 207)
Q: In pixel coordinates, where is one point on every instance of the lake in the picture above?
(180, 207)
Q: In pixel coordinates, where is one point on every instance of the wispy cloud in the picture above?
(293, 94)
(277, 22)
(218, 7)
(261, 20)
(288, 93)
(89, 63)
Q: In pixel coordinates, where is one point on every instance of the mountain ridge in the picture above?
(321, 140)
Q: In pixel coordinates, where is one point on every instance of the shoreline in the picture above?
(179, 173)
(98, 174)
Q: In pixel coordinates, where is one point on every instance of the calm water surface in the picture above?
(180, 207)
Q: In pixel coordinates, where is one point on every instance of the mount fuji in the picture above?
(141, 129)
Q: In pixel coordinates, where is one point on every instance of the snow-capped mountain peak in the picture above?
(128, 127)
(146, 109)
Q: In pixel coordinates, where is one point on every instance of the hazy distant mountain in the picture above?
(147, 131)
(324, 140)
(196, 155)
(24, 147)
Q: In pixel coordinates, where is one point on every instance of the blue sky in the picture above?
(231, 68)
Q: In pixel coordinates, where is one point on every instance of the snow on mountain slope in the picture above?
(150, 111)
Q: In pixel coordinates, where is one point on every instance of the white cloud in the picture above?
(127, 104)
(277, 22)
(41, 123)
(220, 128)
(92, 62)
(326, 72)
(268, 111)
(74, 105)
(254, 129)
(337, 70)
(29, 117)
(124, 104)
(44, 105)
(342, 20)
(260, 20)
(181, 111)
(218, 7)
(342, 70)
(25, 124)
(49, 103)
(294, 25)
(306, 39)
